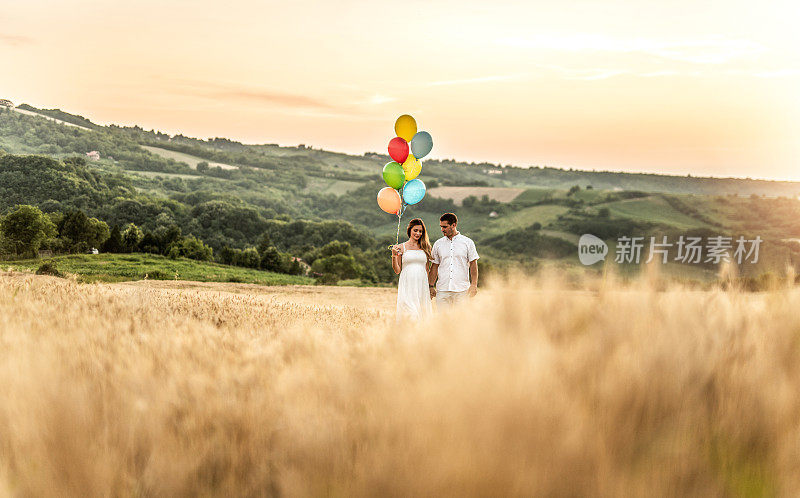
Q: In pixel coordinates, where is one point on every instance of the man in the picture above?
(454, 274)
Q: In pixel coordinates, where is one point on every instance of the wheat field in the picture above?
(534, 389)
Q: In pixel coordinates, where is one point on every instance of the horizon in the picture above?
(454, 159)
(590, 87)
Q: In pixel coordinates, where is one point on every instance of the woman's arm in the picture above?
(397, 260)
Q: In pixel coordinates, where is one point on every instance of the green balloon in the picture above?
(393, 175)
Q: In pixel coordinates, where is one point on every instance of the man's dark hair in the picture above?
(450, 218)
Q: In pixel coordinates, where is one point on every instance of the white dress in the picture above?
(413, 296)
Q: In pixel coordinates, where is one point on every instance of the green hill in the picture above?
(229, 194)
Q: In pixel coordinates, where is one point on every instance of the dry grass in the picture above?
(535, 390)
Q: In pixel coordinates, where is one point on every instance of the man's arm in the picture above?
(433, 275)
(473, 277)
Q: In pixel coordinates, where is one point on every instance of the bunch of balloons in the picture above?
(406, 149)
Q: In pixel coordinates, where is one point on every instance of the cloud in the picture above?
(380, 99)
(600, 74)
(590, 74)
(708, 50)
(656, 74)
(286, 103)
(587, 74)
(290, 101)
(15, 40)
(468, 81)
(235, 91)
(271, 97)
(778, 73)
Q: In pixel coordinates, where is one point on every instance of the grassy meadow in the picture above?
(123, 267)
(537, 388)
(185, 158)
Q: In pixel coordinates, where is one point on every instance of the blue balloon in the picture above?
(414, 191)
(421, 144)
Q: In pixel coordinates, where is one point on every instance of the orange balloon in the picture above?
(389, 200)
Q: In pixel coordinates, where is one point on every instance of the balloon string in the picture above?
(399, 216)
(400, 212)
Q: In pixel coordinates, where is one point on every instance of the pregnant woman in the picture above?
(411, 260)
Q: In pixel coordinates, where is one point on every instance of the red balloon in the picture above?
(398, 149)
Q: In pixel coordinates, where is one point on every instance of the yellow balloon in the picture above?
(405, 127)
(412, 167)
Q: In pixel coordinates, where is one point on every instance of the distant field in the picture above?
(471, 225)
(153, 174)
(536, 194)
(185, 158)
(569, 237)
(590, 195)
(653, 209)
(458, 194)
(352, 164)
(524, 218)
(330, 186)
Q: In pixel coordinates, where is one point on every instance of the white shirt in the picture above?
(453, 257)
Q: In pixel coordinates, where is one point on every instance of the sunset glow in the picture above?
(672, 87)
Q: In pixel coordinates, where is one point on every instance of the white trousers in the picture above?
(448, 299)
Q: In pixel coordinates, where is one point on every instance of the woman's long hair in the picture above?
(424, 242)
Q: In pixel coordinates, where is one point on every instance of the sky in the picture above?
(707, 88)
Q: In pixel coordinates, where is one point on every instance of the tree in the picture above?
(24, 230)
(226, 255)
(247, 258)
(98, 234)
(329, 249)
(165, 236)
(335, 247)
(73, 229)
(469, 201)
(573, 190)
(339, 265)
(295, 268)
(131, 237)
(604, 212)
(202, 167)
(114, 242)
(80, 233)
(192, 248)
(149, 244)
(271, 260)
(264, 244)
